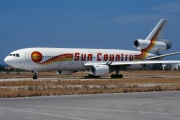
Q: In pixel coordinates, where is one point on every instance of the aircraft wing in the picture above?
(131, 62)
(161, 56)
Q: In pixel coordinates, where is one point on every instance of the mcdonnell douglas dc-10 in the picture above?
(99, 61)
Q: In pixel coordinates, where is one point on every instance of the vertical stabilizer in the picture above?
(156, 33)
(153, 43)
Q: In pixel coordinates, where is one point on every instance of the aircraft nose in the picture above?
(7, 60)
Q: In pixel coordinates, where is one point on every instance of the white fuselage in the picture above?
(99, 61)
(66, 58)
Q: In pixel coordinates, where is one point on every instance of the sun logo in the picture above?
(36, 56)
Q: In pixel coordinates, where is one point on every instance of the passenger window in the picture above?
(13, 54)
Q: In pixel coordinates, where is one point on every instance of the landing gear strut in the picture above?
(117, 75)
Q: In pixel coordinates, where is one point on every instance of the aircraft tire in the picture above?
(92, 76)
(120, 76)
(113, 76)
(116, 76)
(34, 77)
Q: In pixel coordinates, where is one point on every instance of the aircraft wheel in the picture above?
(35, 76)
(120, 76)
(116, 76)
(113, 76)
(92, 76)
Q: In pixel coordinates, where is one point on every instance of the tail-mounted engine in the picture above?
(155, 46)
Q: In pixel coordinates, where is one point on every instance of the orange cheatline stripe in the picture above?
(63, 57)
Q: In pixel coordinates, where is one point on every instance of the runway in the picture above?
(82, 78)
(124, 106)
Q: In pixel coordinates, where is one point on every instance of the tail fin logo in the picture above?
(153, 39)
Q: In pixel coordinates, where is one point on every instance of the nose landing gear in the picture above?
(35, 74)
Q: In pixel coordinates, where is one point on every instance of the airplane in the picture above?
(98, 61)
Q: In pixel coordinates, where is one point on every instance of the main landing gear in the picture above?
(112, 76)
(117, 75)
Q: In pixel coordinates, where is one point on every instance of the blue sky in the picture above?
(84, 23)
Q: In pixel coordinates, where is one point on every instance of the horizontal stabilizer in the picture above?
(161, 56)
(121, 63)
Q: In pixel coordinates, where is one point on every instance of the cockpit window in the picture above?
(17, 55)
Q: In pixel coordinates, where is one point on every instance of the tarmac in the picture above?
(120, 106)
(82, 78)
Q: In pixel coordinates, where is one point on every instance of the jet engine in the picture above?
(65, 72)
(159, 45)
(100, 69)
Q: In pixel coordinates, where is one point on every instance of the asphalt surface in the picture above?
(82, 78)
(123, 106)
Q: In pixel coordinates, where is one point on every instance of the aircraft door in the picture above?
(27, 62)
(27, 56)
